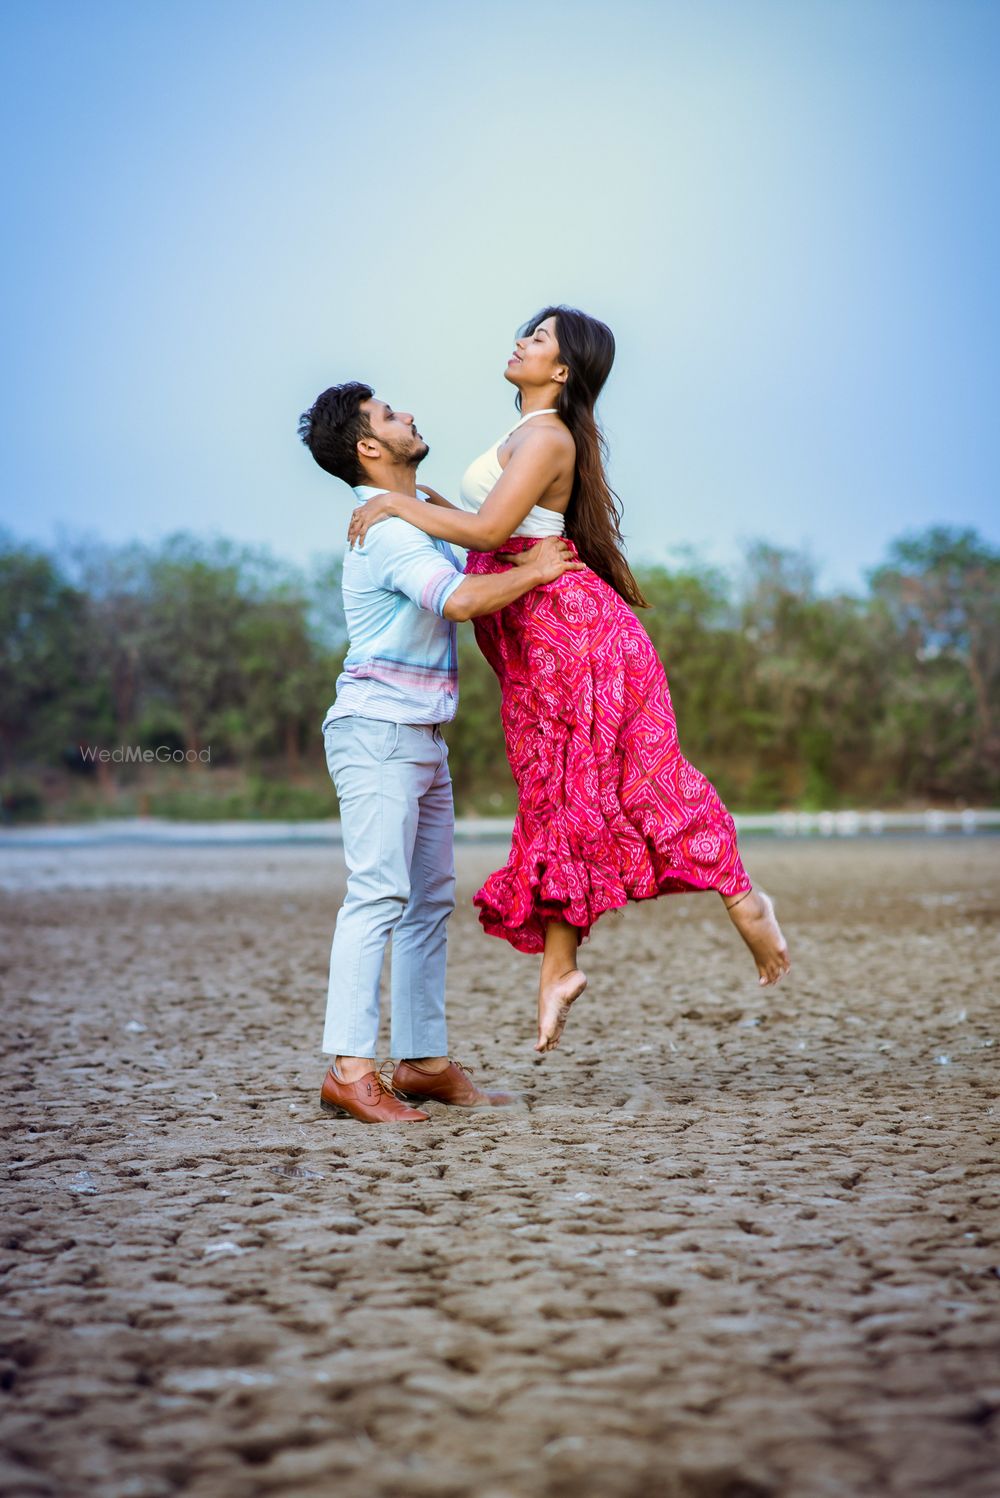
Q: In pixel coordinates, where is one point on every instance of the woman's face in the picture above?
(536, 361)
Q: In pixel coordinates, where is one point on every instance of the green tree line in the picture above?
(213, 664)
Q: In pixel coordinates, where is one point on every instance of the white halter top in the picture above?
(484, 472)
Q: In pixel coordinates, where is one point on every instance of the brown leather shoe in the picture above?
(368, 1099)
(452, 1085)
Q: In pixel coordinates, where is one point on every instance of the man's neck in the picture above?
(397, 477)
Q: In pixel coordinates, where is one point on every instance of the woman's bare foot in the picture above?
(555, 999)
(754, 918)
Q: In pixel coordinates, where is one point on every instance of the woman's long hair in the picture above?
(593, 518)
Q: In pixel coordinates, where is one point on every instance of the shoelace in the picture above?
(384, 1080)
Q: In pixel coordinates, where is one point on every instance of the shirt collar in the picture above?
(368, 491)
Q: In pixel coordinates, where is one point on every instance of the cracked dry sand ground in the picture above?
(735, 1243)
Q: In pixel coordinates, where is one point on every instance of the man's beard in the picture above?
(409, 456)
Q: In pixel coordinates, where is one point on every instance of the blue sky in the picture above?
(786, 211)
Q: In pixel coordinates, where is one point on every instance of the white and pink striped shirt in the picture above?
(402, 665)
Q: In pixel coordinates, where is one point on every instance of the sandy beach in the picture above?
(732, 1243)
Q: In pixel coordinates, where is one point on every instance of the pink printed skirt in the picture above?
(609, 810)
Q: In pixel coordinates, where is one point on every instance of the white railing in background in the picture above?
(830, 824)
(853, 823)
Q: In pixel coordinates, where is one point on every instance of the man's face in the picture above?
(395, 432)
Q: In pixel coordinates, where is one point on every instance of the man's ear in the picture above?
(369, 448)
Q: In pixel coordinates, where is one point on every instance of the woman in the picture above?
(608, 809)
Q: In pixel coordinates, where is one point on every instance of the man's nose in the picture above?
(407, 416)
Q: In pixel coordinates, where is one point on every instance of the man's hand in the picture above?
(486, 593)
(373, 510)
(550, 559)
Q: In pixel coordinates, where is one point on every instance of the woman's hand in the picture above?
(379, 507)
(435, 498)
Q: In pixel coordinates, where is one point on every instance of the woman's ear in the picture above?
(560, 374)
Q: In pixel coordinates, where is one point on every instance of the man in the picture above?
(403, 592)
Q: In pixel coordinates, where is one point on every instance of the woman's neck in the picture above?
(534, 400)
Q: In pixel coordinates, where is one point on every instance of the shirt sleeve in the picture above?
(405, 560)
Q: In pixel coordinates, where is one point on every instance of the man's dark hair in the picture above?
(334, 425)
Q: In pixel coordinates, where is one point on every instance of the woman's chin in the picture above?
(512, 373)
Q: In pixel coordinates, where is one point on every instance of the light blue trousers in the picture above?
(397, 817)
